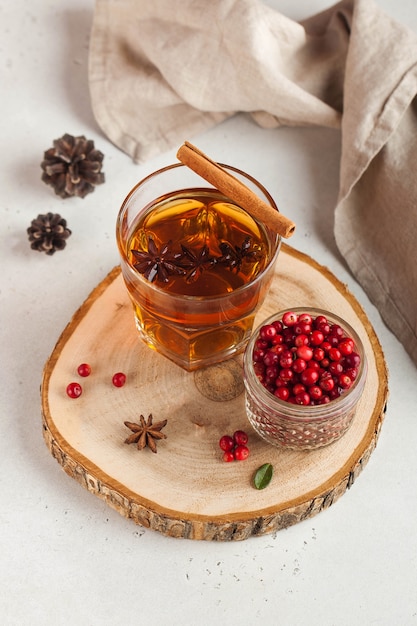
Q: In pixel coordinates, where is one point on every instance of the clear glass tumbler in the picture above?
(201, 266)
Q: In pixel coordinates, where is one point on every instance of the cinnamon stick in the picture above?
(234, 189)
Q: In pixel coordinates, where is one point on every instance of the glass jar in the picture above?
(301, 427)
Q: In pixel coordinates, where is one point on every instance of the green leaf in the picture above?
(263, 476)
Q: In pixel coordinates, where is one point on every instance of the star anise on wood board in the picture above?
(146, 433)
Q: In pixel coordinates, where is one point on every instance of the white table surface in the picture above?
(65, 556)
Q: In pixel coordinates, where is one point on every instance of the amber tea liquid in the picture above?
(194, 259)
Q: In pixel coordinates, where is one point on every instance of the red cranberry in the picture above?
(301, 340)
(323, 327)
(320, 319)
(278, 325)
(261, 344)
(324, 400)
(352, 360)
(333, 341)
(228, 456)
(84, 370)
(315, 392)
(318, 354)
(345, 381)
(290, 318)
(278, 340)
(302, 398)
(240, 437)
(335, 368)
(119, 379)
(271, 358)
(302, 328)
(267, 332)
(309, 376)
(241, 453)
(74, 390)
(286, 374)
(226, 443)
(258, 355)
(271, 372)
(299, 365)
(305, 352)
(346, 346)
(337, 331)
(279, 349)
(286, 359)
(316, 338)
(305, 327)
(281, 383)
(335, 354)
(334, 393)
(352, 372)
(326, 382)
(288, 335)
(298, 388)
(282, 393)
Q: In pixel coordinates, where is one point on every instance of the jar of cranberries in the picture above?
(304, 373)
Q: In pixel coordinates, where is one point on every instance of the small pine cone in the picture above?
(72, 166)
(48, 233)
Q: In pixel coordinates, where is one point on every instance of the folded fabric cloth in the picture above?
(162, 72)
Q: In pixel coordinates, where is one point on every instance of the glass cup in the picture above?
(201, 266)
(295, 426)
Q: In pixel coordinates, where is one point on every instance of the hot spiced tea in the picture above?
(198, 245)
(196, 265)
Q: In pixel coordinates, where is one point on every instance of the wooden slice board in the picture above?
(185, 489)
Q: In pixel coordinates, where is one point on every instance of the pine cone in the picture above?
(73, 166)
(48, 233)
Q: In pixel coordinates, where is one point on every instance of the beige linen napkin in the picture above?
(163, 71)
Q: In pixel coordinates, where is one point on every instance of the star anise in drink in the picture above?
(158, 263)
(233, 256)
(196, 263)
